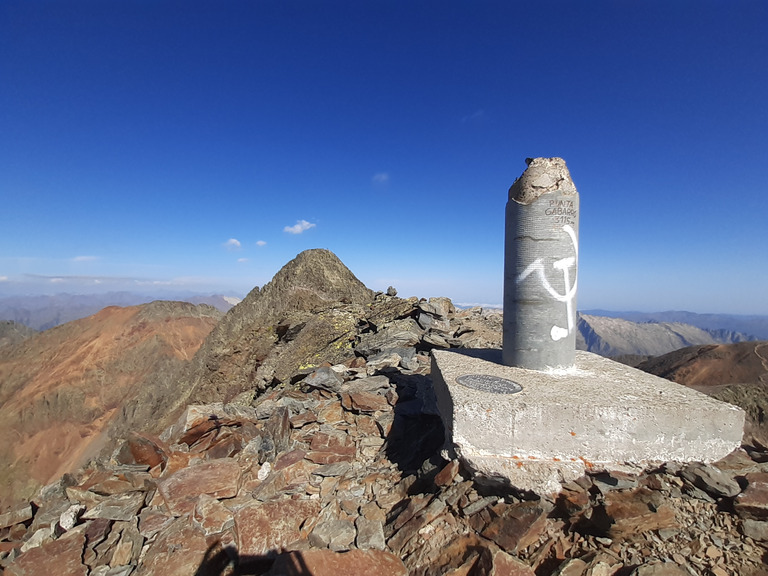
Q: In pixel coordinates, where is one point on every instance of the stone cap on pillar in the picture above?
(542, 176)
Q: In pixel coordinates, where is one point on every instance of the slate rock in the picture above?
(270, 526)
(62, 557)
(516, 526)
(123, 507)
(16, 516)
(370, 534)
(755, 529)
(710, 479)
(217, 478)
(336, 534)
(211, 515)
(278, 428)
(753, 502)
(143, 449)
(404, 332)
(328, 563)
(324, 378)
(179, 550)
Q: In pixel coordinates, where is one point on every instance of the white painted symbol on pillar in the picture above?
(537, 266)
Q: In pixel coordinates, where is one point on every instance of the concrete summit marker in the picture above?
(541, 255)
(538, 413)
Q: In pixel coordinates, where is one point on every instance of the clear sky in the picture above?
(201, 146)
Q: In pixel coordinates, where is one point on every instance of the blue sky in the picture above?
(201, 146)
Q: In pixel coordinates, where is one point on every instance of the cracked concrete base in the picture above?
(598, 415)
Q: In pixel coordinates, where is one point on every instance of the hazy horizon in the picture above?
(200, 146)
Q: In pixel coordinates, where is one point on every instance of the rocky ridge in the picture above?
(336, 469)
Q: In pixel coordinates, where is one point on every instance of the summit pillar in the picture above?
(540, 267)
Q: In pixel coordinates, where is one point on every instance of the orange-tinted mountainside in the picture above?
(713, 365)
(60, 389)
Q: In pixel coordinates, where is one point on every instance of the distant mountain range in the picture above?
(754, 325)
(633, 342)
(44, 312)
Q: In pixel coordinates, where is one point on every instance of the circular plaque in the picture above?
(487, 383)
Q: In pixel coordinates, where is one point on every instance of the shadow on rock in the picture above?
(417, 432)
(219, 561)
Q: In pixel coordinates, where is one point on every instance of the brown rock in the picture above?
(753, 502)
(151, 521)
(301, 420)
(368, 402)
(447, 474)
(329, 448)
(328, 563)
(331, 412)
(211, 515)
(289, 458)
(178, 460)
(517, 526)
(143, 449)
(16, 516)
(503, 564)
(270, 526)
(627, 513)
(179, 550)
(217, 478)
(60, 557)
(572, 567)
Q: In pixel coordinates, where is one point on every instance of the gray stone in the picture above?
(710, 479)
(437, 324)
(370, 534)
(335, 534)
(278, 428)
(540, 267)
(123, 507)
(38, 538)
(403, 332)
(382, 361)
(601, 415)
(755, 529)
(439, 307)
(324, 378)
(334, 469)
(369, 384)
(69, 518)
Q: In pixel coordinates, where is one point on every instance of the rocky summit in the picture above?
(313, 446)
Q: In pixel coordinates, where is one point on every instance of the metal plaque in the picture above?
(487, 383)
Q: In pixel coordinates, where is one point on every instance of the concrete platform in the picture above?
(598, 415)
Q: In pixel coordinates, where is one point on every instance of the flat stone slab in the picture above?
(600, 414)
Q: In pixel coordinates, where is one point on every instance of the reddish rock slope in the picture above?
(60, 389)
